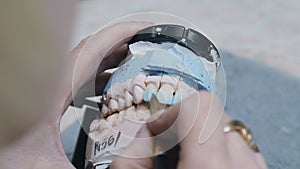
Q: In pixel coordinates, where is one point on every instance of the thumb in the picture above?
(186, 118)
(140, 147)
(183, 123)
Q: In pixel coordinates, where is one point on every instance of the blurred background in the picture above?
(258, 42)
(266, 31)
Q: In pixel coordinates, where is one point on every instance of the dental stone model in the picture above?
(165, 72)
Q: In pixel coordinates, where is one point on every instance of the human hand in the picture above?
(222, 150)
(42, 147)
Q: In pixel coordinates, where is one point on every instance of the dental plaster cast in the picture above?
(167, 71)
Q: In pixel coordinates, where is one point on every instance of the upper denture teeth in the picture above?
(182, 86)
(125, 87)
(167, 89)
(138, 94)
(114, 91)
(155, 80)
(150, 90)
(167, 79)
(182, 91)
(165, 94)
(153, 84)
(122, 104)
(113, 105)
(121, 97)
(104, 109)
(139, 80)
(128, 99)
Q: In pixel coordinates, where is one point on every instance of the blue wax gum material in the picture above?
(165, 61)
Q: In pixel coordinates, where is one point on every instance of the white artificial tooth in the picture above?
(142, 112)
(122, 112)
(149, 91)
(180, 95)
(167, 79)
(182, 86)
(143, 116)
(128, 99)
(122, 104)
(94, 125)
(130, 113)
(139, 80)
(113, 105)
(182, 91)
(114, 119)
(165, 94)
(98, 125)
(126, 86)
(155, 80)
(103, 125)
(104, 109)
(114, 91)
(138, 94)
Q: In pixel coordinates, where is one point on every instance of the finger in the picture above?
(164, 121)
(114, 59)
(138, 148)
(242, 155)
(188, 117)
(191, 110)
(261, 161)
(104, 42)
(211, 154)
(240, 152)
(88, 55)
(117, 34)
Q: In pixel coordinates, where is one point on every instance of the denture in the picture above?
(167, 71)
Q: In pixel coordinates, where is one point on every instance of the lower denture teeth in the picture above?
(94, 125)
(142, 112)
(98, 125)
(130, 113)
(114, 119)
(103, 125)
